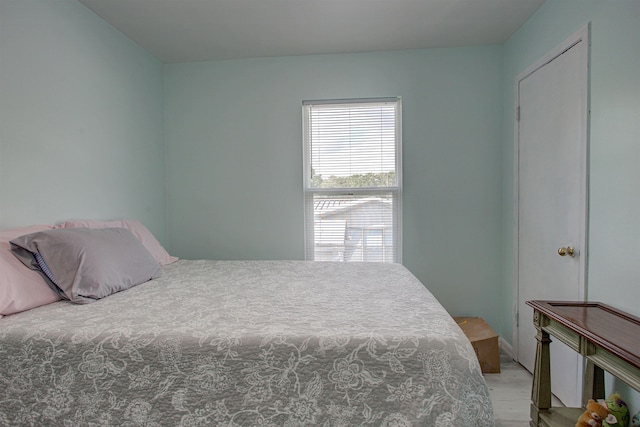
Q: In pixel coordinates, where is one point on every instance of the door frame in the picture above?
(582, 35)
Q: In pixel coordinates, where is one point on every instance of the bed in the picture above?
(245, 343)
(153, 341)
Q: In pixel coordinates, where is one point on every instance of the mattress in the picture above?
(245, 343)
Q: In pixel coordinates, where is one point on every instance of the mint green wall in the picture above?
(614, 169)
(234, 159)
(81, 119)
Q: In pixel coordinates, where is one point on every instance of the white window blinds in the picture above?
(352, 180)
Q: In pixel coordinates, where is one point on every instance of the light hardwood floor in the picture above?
(511, 393)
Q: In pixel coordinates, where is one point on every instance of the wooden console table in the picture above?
(607, 338)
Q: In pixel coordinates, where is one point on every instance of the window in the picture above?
(352, 180)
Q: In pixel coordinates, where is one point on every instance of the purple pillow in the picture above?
(83, 265)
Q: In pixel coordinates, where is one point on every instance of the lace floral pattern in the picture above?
(245, 343)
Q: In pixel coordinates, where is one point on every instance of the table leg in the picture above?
(541, 389)
(593, 387)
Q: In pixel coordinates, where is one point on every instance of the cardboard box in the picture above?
(484, 341)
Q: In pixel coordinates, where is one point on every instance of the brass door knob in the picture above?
(567, 250)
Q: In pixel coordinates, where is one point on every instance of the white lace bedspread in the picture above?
(245, 343)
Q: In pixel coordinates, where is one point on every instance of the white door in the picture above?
(551, 145)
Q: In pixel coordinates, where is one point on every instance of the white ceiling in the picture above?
(206, 30)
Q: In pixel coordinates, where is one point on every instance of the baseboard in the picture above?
(505, 347)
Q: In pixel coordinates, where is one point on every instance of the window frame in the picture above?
(309, 192)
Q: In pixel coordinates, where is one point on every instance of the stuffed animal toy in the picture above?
(635, 421)
(594, 415)
(619, 409)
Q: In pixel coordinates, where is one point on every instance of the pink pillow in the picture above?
(136, 227)
(20, 287)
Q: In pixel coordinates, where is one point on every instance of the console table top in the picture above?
(613, 330)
